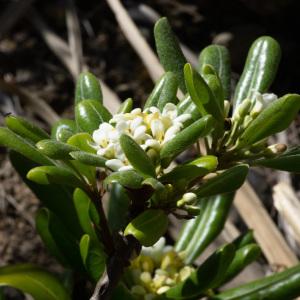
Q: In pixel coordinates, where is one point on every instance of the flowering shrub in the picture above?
(178, 155)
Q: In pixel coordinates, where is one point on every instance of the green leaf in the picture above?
(42, 227)
(208, 162)
(17, 143)
(242, 258)
(55, 149)
(61, 242)
(185, 138)
(197, 234)
(118, 208)
(214, 83)
(137, 156)
(34, 281)
(164, 92)
(207, 276)
(168, 91)
(89, 114)
(63, 129)
(93, 257)
(148, 227)
(56, 198)
(186, 173)
(244, 239)
(89, 159)
(53, 174)
(260, 69)
(84, 208)
(168, 49)
(25, 129)
(288, 161)
(88, 87)
(275, 118)
(129, 179)
(219, 58)
(126, 106)
(187, 106)
(284, 285)
(83, 142)
(201, 94)
(228, 181)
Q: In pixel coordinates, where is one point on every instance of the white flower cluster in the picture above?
(156, 270)
(149, 128)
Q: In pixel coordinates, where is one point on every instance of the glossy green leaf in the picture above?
(228, 181)
(83, 142)
(88, 87)
(93, 257)
(214, 83)
(148, 227)
(85, 208)
(201, 94)
(126, 106)
(242, 258)
(185, 138)
(260, 69)
(153, 183)
(284, 285)
(54, 174)
(25, 129)
(289, 162)
(187, 106)
(63, 129)
(41, 285)
(218, 56)
(197, 234)
(208, 162)
(15, 142)
(207, 276)
(60, 238)
(55, 149)
(57, 198)
(137, 156)
(244, 239)
(118, 208)
(184, 172)
(168, 49)
(275, 118)
(89, 114)
(42, 227)
(130, 179)
(89, 158)
(164, 91)
(168, 91)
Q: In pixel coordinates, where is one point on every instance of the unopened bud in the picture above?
(275, 150)
(226, 108)
(242, 110)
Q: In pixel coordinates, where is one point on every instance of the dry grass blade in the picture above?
(61, 50)
(74, 36)
(57, 45)
(37, 105)
(266, 232)
(288, 206)
(136, 40)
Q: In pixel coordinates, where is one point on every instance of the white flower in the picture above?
(261, 101)
(149, 128)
